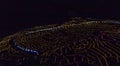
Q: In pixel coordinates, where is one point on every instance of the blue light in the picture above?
(25, 49)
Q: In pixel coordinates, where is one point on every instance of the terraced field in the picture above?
(75, 43)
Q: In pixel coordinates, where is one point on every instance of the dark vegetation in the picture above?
(84, 44)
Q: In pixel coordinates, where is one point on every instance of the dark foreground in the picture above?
(74, 43)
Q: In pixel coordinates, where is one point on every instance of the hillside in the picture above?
(77, 42)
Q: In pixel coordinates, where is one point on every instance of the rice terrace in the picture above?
(77, 42)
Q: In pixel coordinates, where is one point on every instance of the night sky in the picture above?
(19, 14)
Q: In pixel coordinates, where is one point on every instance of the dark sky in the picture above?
(19, 14)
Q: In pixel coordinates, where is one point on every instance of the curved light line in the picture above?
(58, 27)
(25, 49)
(47, 29)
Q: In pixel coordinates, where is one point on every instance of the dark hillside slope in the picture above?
(75, 43)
